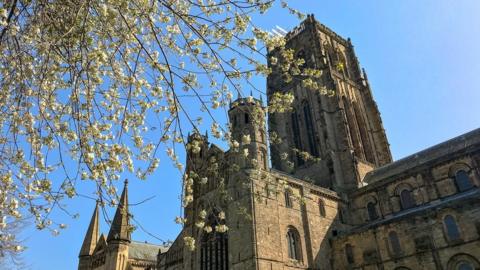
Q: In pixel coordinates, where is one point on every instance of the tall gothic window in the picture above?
(395, 243)
(362, 126)
(406, 199)
(296, 137)
(321, 206)
(352, 128)
(247, 118)
(214, 247)
(462, 181)
(451, 228)
(372, 211)
(288, 199)
(310, 129)
(293, 244)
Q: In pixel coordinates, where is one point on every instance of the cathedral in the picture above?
(348, 207)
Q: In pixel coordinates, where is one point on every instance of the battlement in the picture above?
(310, 20)
(246, 101)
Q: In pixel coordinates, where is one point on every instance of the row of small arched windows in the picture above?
(407, 201)
(289, 203)
(451, 230)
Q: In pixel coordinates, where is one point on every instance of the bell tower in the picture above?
(341, 131)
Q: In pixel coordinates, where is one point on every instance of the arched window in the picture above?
(352, 128)
(463, 265)
(394, 243)
(406, 199)
(321, 206)
(296, 138)
(451, 228)
(247, 118)
(463, 261)
(288, 199)
(372, 211)
(462, 181)
(293, 244)
(214, 246)
(310, 129)
(349, 253)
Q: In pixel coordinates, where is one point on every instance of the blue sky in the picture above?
(423, 63)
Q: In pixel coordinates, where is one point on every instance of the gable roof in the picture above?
(101, 245)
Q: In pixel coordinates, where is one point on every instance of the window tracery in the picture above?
(214, 245)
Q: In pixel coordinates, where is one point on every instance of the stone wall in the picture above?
(422, 229)
(274, 216)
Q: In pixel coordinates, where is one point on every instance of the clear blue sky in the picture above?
(423, 63)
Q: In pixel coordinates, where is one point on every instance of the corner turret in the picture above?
(247, 125)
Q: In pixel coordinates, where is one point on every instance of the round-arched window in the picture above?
(372, 211)
(293, 244)
(395, 243)
(463, 262)
(451, 228)
(463, 265)
(462, 181)
(406, 199)
(321, 206)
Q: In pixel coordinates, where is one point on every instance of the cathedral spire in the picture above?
(91, 238)
(120, 228)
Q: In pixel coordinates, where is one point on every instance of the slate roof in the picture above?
(145, 251)
(463, 143)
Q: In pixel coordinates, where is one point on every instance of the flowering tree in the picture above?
(92, 88)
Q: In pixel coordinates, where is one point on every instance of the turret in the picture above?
(197, 149)
(247, 123)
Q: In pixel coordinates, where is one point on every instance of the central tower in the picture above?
(342, 131)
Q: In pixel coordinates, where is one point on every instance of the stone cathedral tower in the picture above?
(358, 209)
(344, 130)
